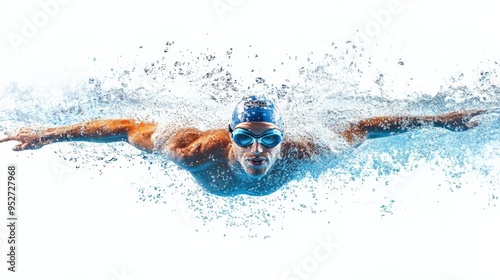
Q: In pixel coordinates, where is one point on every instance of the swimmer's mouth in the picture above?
(256, 161)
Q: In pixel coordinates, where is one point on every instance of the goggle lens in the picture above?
(243, 139)
(269, 139)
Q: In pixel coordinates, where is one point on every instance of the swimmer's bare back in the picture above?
(190, 147)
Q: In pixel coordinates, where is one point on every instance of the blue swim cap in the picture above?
(256, 109)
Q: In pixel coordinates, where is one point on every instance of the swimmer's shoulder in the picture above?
(184, 135)
(192, 148)
(307, 146)
(299, 147)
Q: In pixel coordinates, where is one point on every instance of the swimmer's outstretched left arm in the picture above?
(134, 132)
(387, 125)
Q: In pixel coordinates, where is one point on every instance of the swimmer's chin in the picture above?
(256, 172)
(256, 176)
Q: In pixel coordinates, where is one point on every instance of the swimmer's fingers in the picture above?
(29, 145)
(472, 113)
(459, 121)
(20, 147)
(11, 137)
(466, 119)
(471, 125)
(460, 116)
(6, 138)
(17, 147)
(29, 139)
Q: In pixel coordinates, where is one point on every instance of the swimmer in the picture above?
(252, 156)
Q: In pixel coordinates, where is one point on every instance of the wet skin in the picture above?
(256, 160)
(217, 163)
(252, 170)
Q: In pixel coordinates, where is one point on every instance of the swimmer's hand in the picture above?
(29, 138)
(458, 121)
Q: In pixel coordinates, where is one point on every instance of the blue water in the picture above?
(314, 91)
(421, 205)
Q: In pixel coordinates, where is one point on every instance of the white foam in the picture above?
(90, 211)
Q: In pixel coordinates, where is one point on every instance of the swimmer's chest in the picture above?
(220, 180)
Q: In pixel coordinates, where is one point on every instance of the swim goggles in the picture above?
(245, 138)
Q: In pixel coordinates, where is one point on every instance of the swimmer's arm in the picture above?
(387, 126)
(136, 133)
(193, 149)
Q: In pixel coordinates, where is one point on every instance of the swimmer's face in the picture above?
(256, 159)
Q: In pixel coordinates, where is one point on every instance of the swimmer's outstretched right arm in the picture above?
(188, 147)
(136, 133)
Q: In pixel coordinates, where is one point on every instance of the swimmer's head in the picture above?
(256, 109)
(256, 132)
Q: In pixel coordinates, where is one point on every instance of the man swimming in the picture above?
(253, 156)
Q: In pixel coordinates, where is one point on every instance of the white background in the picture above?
(85, 226)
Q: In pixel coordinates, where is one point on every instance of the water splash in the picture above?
(331, 86)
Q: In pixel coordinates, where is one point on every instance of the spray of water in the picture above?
(328, 88)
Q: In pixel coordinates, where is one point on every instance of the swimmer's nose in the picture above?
(256, 148)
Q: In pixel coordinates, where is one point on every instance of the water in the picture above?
(188, 88)
(420, 205)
